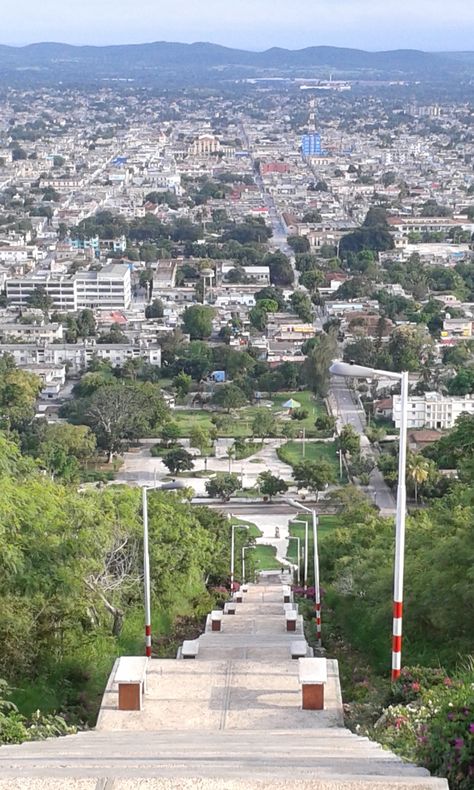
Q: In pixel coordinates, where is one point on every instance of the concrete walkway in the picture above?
(229, 720)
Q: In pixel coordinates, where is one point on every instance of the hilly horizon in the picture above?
(68, 62)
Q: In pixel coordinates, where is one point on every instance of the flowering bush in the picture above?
(415, 681)
(435, 728)
(446, 742)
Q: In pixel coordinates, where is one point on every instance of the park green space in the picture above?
(240, 425)
(292, 453)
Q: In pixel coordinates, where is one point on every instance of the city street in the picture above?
(349, 412)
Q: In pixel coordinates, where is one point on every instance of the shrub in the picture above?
(415, 681)
(446, 741)
(299, 414)
(12, 728)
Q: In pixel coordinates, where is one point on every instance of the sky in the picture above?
(248, 24)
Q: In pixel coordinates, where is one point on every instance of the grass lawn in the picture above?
(253, 530)
(326, 524)
(292, 452)
(241, 426)
(314, 406)
(264, 558)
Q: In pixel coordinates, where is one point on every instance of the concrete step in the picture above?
(313, 757)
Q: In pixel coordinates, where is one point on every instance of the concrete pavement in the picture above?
(349, 412)
(231, 719)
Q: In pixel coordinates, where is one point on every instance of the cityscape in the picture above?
(236, 416)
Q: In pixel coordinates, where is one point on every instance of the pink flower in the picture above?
(448, 682)
(415, 686)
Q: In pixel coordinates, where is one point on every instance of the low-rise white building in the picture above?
(433, 410)
(110, 287)
(76, 356)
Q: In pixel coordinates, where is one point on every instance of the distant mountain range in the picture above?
(73, 63)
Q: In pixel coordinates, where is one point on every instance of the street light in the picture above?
(317, 594)
(306, 551)
(298, 542)
(358, 371)
(232, 548)
(244, 549)
(146, 556)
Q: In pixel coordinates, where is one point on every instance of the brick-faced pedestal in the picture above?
(291, 625)
(313, 696)
(216, 625)
(130, 696)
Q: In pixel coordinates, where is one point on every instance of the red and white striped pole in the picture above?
(146, 573)
(317, 593)
(400, 535)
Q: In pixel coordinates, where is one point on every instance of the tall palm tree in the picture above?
(230, 453)
(418, 470)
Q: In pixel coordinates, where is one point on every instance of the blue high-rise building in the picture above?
(311, 144)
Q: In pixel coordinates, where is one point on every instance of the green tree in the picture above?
(299, 243)
(182, 383)
(264, 424)
(281, 271)
(170, 433)
(114, 335)
(410, 348)
(229, 396)
(19, 390)
(197, 321)
(155, 309)
(202, 439)
(222, 486)
(462, 383)
(271, 485)
(314, 475)
(178, 460)
(40, 299)
(316, 367)
(302, 306)
(312, 216)
(418, 471)
(348, 441)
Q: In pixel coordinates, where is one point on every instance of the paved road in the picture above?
(350, 413)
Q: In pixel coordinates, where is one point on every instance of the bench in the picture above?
(299, 649)
(290, 618)
(313, 677)
(230, 607)
(189, 649)
(130, 677)
(216, 620)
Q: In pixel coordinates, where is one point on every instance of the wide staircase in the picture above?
(230, 718)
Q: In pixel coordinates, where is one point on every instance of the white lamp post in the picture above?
(298, 543)
(232, 549)
(359, 371)
(317, 592)
(146, 557)
(306, 552)
(244, 549)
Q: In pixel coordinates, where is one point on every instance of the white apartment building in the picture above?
(78, 355)
(109, 288)
(433, 410)
(31, 333)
